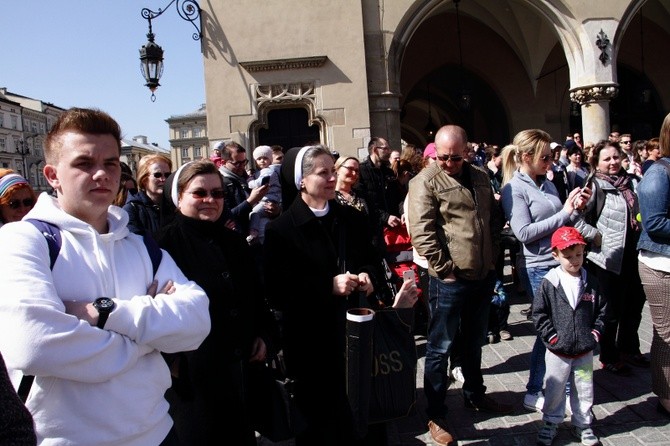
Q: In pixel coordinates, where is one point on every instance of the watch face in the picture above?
(104, 303)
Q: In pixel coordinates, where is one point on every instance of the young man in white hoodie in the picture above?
(100, 377)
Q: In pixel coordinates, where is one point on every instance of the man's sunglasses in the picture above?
(239, 163)
(454, 158)
(216, 194)
(161, 175)
(27, 202)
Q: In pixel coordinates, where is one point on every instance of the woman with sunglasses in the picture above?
(212, 379)
(143, 208)
(534, 211)
(17, 197)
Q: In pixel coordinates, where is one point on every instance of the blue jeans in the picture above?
(461, 303)
(531, 279)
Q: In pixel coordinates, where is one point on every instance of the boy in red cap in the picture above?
(568, 313)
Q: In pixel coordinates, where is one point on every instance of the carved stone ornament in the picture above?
(594, 93)
(293, 92)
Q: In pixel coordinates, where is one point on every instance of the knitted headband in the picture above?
(10, 180)
(174, 191)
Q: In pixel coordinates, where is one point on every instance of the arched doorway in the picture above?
(288, 127)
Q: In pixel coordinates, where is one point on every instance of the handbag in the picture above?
(390, 346)
(274, 412)
(393, 387)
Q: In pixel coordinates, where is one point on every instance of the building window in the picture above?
(15, 122)
(197, 132)
(197, 152)
(184, 133)
(2, 143)
(184, 152)
(2, 119)
(34, 127)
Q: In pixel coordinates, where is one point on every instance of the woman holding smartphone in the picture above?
(534, 211)
(610, 224)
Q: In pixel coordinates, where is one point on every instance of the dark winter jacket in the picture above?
(143, 214)
(564, 331)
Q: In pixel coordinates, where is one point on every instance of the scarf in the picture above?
(623, 183)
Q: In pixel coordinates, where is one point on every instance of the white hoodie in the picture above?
(93, 386)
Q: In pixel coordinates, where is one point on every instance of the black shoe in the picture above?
(662, 410)
(638, 360)
(485, 403)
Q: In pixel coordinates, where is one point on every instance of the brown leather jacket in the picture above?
(455, 229)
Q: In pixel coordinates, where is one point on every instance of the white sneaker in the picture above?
(586, 435)
(534, 401)
(547, 434)
(456, 374)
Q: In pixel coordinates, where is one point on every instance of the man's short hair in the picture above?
(83, 120)
(231, 148)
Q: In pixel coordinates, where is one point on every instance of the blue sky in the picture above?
(85, 53)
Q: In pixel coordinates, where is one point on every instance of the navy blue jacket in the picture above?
(564, 331)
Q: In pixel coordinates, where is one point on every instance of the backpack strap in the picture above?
(54, 241)
(52, 235)
(154, 251)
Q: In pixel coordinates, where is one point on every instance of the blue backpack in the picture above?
(51, 233)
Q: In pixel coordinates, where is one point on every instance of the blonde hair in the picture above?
(145, 163)
(531, 142)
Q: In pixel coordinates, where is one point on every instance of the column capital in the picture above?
(594, 93)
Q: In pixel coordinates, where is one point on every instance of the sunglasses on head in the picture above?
(445, 158)
(161, 174)
(27, 202)
(216, 194)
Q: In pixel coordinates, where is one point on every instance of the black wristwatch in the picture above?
(104, 305)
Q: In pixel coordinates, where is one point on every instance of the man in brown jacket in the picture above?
(455, 223)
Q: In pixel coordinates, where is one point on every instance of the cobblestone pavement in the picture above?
(624, 407)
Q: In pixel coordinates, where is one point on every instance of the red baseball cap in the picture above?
(566, 236)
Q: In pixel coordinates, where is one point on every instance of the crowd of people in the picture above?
(132, 345)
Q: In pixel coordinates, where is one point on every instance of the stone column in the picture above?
(595, 106)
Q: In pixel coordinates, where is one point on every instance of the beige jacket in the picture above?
(455, 229)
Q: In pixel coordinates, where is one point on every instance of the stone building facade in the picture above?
(293, 72)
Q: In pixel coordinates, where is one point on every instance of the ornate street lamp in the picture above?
(151, 54)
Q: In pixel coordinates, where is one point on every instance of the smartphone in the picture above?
(408, 274)
(265, 180)
(589, 179)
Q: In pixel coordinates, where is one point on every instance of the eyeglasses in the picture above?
(624, 142)
(384, 147)
(351, 169)
(27, 202)
(545, 158)
(216, 194)
(161, 174)
(239, 163)
(445, 158)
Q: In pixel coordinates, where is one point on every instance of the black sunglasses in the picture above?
(216, 194)
(445, 158)
(27, 202)
(161, 174)
(239, 163)
(545, 158)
